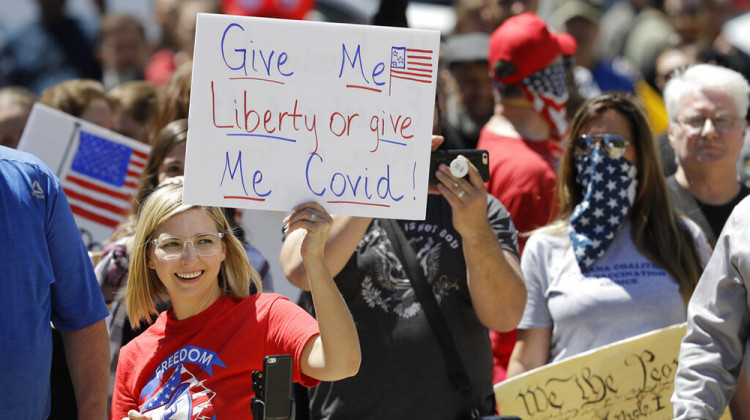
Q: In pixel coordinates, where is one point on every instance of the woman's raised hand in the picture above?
(316, 221)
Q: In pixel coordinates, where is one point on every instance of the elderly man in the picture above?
(707, 105)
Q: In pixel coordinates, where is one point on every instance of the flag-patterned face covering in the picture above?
(548, 93)
(608, 191)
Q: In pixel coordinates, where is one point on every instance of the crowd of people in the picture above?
(616, 134)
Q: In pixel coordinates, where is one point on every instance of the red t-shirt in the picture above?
(522, 180)
(202, 366)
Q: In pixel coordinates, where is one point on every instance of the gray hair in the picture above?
(706, 76)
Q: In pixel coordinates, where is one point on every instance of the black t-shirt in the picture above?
(710, 218)
(403, 373)
(717, 215)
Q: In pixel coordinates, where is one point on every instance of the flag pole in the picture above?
(76, 127)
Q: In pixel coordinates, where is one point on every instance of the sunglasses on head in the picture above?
(612, 144)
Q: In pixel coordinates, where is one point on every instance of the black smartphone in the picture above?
(277, 386)
(480, 158)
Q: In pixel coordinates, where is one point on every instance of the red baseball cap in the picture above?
(523, 45)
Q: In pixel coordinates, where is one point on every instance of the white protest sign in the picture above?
(283, 112)
(98, 168)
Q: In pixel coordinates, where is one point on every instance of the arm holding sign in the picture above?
(335, 353)
(494, 277)
(531, 350)
(345, 234)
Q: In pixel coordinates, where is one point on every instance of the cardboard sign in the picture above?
(98, 168)
(283, 112)
(630, 379)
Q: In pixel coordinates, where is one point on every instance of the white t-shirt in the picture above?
(623, 295)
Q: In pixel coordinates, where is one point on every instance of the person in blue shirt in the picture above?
(48, 279)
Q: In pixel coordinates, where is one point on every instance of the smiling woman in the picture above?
(189, 273)
(216, 334)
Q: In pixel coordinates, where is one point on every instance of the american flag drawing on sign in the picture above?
(102, 179)
(411, 64)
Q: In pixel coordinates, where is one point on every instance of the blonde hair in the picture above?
(144, 286)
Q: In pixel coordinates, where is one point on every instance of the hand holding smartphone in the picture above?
(478, 157)
(275, 397)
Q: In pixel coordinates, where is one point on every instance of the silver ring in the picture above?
(461, 194)
(313, 218)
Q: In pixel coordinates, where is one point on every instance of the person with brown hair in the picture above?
(619, 261)
(123, 49)
(173, 102)
(134, 105)
(82, 98)
(15, 106)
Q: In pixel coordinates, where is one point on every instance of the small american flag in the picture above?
(411, 64)
(102, 179)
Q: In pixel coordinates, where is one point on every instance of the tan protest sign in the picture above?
(628, 380)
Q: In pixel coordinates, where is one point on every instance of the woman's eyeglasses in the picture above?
(204, 244)
(612, 144)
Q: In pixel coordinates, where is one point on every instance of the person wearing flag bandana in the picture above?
(618, 261)
(524, 135)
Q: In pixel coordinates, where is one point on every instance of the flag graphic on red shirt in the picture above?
(177, 387)
(183, 396)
